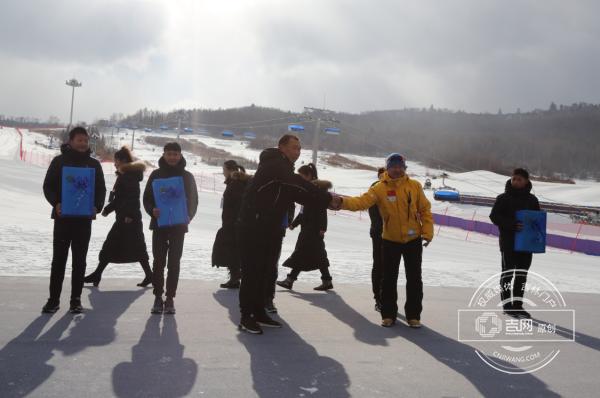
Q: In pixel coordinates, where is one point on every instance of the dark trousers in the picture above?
(273, 265)
(68, 233)
(260, 253)
(392, 253)
(325, 275)
(167, 242)
(377, 270)
(514, 264)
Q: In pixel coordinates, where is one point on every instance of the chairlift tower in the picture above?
(73, 83)
(319, 116)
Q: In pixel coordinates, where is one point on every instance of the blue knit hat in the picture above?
(395, 159)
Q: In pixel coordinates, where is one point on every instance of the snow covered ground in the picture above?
(451, 260)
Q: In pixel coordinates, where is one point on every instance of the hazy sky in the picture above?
(358, 54)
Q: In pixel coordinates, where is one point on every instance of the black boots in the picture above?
(249, 324)
(75, 307)
(147, 280)
(231, 284)
(51, 306)
(266, 321)
(325, 285)
(513, 306)
(234, 280)
(148, 272)
(270, 307)
(169, 306)
(158, 306)
(94, 278)
(287, 283)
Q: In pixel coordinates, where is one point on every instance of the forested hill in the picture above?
(563, 140)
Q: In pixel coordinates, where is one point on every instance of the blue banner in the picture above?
(170, 199)
(77, 191)
(532, 238)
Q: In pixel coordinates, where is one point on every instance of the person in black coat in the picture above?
(375, 232)
(168, 241)
(125, 242)
(310, 253)
(70, 232)
(225, 249)
(265, 203)
(517, 196)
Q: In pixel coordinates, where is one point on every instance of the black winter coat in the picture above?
(504, 212)
(125, 242)
(71, 158)
(309, 253)
(274, 188)
(189, 183)
(225, 249)
(124, 199)
(313, 218)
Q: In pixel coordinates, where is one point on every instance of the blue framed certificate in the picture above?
(170, 199)
(78, 191)
(532, 238)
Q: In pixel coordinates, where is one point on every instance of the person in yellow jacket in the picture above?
(407, 223)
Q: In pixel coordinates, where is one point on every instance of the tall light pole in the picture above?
(72, 83)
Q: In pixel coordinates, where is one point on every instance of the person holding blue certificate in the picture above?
(74, 187)
(515, 264)
(171, 200)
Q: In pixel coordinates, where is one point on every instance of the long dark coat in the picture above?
(504, 212)
(309, 253)
(125, 242)
(225, 249)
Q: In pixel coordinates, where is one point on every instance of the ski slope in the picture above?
(451, 260)
(479, 182)
(9, 144)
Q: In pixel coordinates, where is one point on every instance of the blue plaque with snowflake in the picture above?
(532, 238)
(169, 196)
(77, 192)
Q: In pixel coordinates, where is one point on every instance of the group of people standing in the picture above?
(256, 212)
(125, 242)
(402, 225)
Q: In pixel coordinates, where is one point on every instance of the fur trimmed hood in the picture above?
(241, 176)
(136, 166)
(323, 184)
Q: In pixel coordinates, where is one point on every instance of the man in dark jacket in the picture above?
(73, 232)
(265, 204)
(517, 196)
(375, 231)
(168, 241)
